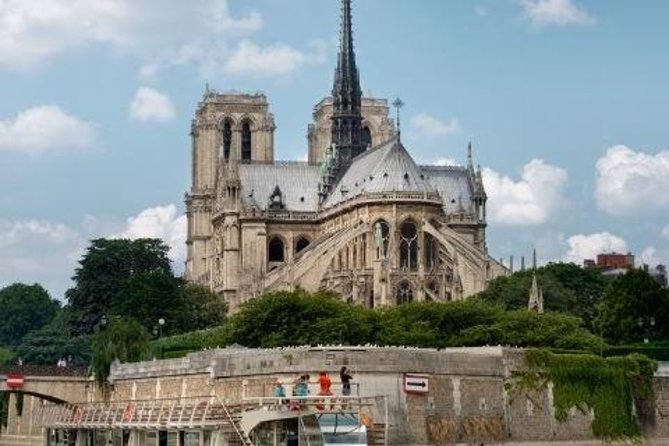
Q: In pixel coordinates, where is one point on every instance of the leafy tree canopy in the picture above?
(566, 287)
(298, 318)
(628, 306)
(206, 308)
(124, 340)
(103, 274)
(6, 355)
(49, 344)
(24, 308)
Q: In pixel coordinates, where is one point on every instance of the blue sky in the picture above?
(564, 100)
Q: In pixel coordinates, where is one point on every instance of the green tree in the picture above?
(6, 356)
(148, 297)
(629, 304)
(124, 340)
(567, 288)
(103, 273)
(523, 328)
(298, 318)
(206, 308)
(26, 308)
(49, 344)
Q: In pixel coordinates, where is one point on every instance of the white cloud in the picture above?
(251, 59)
(583, 247)
(531, 201)
(542, 13)
(629, 181)
(45, 127)
(161, 222)
(151, 105)
(158, 33)
(652, 257)
(35, 251)
(430, 126)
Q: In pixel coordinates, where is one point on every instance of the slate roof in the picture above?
(298, 182)
(452, 183)
(387, 168)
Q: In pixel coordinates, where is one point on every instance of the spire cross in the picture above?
(398, 104)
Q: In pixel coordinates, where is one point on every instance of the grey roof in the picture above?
(387, 168)
(452, 183)
(298, 182)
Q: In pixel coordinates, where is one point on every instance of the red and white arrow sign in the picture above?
(414, 383)
(14, 380)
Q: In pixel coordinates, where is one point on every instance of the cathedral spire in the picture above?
(347, 95)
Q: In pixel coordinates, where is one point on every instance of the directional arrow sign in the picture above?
(414, 383)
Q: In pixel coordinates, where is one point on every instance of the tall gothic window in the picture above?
(275, 252)
(409, 245)
(227, 139)
(301, 244)
(431, 250)
(381, 238)
(404, 293)
(246, 141)
(366, 137)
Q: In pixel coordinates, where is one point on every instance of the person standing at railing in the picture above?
(325, 383)
(346, 377)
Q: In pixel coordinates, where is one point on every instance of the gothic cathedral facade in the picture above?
(359, 218)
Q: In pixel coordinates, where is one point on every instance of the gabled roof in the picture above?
(298, 182)
(387, 168)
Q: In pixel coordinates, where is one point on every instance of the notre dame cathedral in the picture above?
(359, 218)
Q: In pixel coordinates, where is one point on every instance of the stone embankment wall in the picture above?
(467, 400)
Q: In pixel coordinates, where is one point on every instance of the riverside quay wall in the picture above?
(435, 397)
(455, 395)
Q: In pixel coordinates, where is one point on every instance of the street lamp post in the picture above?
(159, 333)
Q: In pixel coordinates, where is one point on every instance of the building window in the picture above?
(301, 243)
(381, 238)
(246, 141)
(276, 251)
(366, 137)
(227, 139)
(409, 246)
(404, 293)
(431, 250)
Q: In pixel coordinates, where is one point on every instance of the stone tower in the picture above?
(229, 126)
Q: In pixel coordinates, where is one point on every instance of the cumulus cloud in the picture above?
(581, 246)
(530, 201)
(251, 59)
(151, 105)
(159, 33)
(430, 126)
(38, 251)
(652, 256)
(541, 13)
(45, 127)
(163, 222)
(629, 181)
